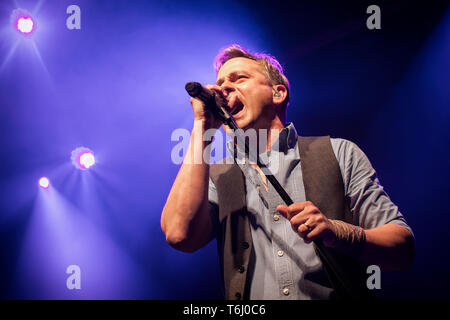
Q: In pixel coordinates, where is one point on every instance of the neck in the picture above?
(273, 131)
(269, 132)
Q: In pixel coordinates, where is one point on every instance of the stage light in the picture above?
(83, 158)
(44, 182)
(25, 24)
(23, 21)
(87, 160)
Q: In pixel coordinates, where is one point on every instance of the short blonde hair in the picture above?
(271, 67)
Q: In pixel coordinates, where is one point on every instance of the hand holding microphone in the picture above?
(208, 104)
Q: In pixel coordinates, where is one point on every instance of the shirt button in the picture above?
(276, 217)
(280, 253)
(285, 291)
(245, 245)
(238, 295)
(241, 269)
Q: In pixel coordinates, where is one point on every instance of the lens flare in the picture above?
(87, 160)
(83, 158)
(44, 182)
(25, 24)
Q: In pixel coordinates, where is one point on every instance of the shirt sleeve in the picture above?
(368, 200)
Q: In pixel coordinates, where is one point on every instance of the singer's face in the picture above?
(248, 92)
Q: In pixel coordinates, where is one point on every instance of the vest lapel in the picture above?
(324, 187)
(322, 177)
(234, 241)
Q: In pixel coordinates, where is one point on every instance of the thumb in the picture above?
(284, 211)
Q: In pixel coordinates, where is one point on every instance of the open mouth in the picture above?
(235, 105)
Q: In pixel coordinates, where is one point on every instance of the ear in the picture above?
(279, 94)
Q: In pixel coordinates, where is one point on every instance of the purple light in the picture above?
(87, 160)
(83, 158)
(23, 22)
(25, 25)
(44, 182)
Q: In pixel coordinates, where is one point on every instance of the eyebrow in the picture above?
(219, 82)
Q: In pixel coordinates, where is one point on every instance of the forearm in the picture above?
(390, 246)
(185, 219)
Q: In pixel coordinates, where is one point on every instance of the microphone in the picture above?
(213, 102)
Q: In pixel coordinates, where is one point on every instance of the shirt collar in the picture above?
(286, 140)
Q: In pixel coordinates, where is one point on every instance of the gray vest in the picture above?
(323, 186)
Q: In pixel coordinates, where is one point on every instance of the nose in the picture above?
(227, 88)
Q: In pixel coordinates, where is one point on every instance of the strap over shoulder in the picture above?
(322, 178)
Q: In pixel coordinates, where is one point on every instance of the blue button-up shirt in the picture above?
(283, 266)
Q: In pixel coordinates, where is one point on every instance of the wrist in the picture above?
(200, 142)
(204, 124)
(349, 238)
(202, 131)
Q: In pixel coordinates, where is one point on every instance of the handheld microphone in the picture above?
(211, 99)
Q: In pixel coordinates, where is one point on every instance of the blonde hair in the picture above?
(271, 67)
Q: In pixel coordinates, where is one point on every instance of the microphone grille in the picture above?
(193, 88)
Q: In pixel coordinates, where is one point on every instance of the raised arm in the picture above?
(185, 219)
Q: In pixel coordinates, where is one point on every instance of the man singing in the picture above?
(266, 248)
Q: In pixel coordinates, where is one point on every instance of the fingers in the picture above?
(284, 211)
(214, 87)
(293, 209)
(304, 229)
(202, 113)
(318, 232)
(306, 220)
(298, 213)
(302, 216)
(298, 207)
